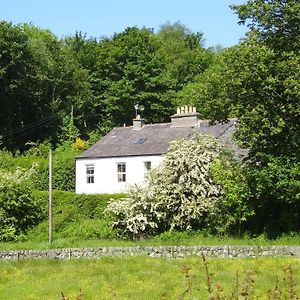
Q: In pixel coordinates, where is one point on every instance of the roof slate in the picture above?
(126, 141)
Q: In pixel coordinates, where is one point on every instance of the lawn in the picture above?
(145, 278)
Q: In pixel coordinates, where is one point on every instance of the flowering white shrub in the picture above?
(17, 176)
(179, 194)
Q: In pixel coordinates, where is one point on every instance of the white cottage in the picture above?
(125, 154)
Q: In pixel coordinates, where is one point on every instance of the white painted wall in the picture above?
(105, 177)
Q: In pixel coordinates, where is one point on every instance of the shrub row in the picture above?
(75, 216)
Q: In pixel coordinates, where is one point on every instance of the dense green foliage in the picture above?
(275, 195)
(24, 199)
(44, 79)
(19, 210)
(75, 217)
(37, 158)
(258, 81)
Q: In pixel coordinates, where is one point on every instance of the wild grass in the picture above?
(166, 239)
(145, 278)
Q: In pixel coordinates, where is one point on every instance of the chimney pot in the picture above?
(138, 122)
(185, 116)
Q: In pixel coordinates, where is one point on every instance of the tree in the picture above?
(258, 81)
(88, 114)
(275, 23)
(264, 74)
(39, 82)
(183, 52)
(130, 71)
(16, 71)
(208, 93)
(181, 193)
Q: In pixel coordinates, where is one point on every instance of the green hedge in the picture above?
(76, 216)
(63, 168)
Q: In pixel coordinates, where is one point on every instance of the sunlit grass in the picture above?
(138, 277)
(173, 238)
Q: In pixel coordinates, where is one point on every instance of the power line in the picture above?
(32, 126)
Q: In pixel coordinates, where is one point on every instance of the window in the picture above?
(140, 141)
(90, 171)
(147, 167)
(121, 172)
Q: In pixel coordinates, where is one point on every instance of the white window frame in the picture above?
(121, 171)
(90, 173)
(147, 167)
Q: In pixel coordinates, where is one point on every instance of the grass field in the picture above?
(165, 239)
(147, 278)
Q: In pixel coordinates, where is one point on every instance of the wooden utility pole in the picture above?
(50, 197)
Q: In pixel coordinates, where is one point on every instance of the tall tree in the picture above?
(275, 23)
(40, 81)
(267, 76)
(183, 53)
(130, 71)
(16, 71)
(259, 79)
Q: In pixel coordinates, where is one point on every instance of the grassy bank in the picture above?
(166, 239)
(146, 278)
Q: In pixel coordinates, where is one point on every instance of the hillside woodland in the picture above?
(66, 93)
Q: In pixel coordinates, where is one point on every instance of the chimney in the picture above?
(185, 116)
(138, 122)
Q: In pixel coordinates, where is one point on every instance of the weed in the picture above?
(209, 275)
(235, 291)
(112, 292)
(290, 279)
(189, 290)
(276, 293)
(79, 296)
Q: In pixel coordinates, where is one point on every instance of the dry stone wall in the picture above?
(153, 251)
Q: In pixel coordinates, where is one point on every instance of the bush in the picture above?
(275, 195)
(19, 211)
(63, 166)
(76, 216)
(231, 175)
(181, 194)
(64, 169)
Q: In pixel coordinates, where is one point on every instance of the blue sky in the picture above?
(99, 18)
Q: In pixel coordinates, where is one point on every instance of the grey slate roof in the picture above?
(153, 139)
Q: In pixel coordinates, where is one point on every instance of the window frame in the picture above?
(147, 167)
(121, 171)
(90, 173)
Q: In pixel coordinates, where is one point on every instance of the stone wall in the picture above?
(153, 251)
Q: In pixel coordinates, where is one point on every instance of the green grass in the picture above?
(174, 238)
(142, 278)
